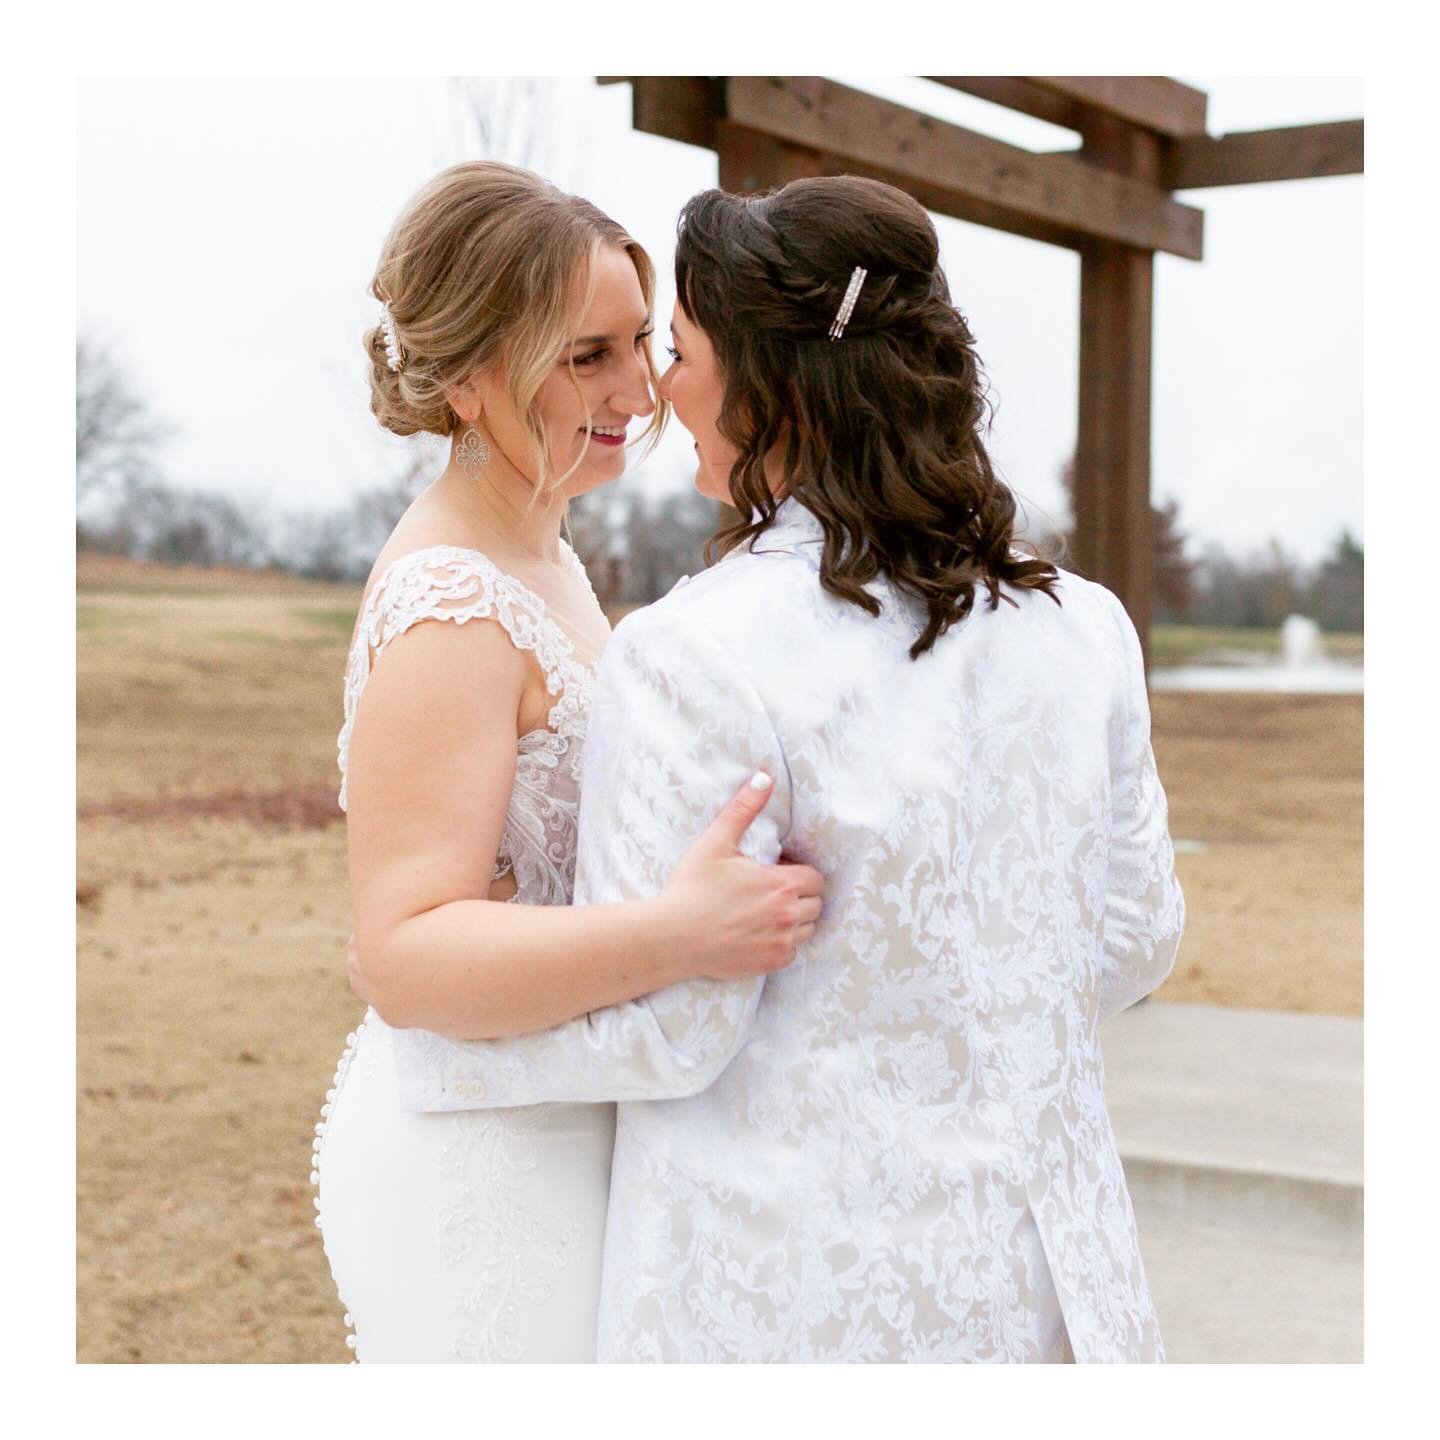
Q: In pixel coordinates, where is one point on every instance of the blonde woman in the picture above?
(516, 321)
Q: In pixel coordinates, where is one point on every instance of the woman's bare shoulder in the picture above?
(426, 528)
(435, 567)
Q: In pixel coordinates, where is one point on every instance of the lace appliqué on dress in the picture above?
(518, 1246)
(449, 582)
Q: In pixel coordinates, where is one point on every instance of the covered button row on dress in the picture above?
(346, 1059)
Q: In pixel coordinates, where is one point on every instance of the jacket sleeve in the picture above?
(1144, 909)
(674, 731)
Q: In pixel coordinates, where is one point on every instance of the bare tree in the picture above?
(341, 543)
(635, 550)
(1255, 590)
(1174, 570)
(377, 511)
(1337, 594)
(150, 520)
(116, 436)
(323, 545)
(203, 529)
(503, 117)
(601, 523)
(669, 542)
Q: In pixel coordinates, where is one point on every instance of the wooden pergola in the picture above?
(1142, 138)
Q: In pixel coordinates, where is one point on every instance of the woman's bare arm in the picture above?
(431, 767)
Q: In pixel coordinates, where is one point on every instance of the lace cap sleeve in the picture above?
(445, 583)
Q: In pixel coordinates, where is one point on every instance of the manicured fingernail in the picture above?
(760, 781)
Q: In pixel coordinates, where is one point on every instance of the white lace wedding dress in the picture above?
(474, 1235)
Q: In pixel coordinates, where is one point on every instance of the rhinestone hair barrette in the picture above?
(847, 305)
(394, 355)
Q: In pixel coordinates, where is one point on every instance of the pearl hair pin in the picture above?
(847, 305)
(394, 355)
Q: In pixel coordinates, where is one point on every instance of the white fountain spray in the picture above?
(1300, 642)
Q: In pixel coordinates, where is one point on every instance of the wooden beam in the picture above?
(750, 161)
(1153, 102)
(1016, 94)
(1114, 530)
(1295, 152)
(971, 176)
(751, 168)
(662, 111)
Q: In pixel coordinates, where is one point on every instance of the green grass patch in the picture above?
(96, 617)
(1195, 644)
(1190, 644)
(333, 619)
(261, 640)
(148, 587)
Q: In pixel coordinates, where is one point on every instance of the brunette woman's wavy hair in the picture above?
(881, 429)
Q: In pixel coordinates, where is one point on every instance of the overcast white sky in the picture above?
(228, 229)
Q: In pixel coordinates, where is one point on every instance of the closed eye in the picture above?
(672, 352)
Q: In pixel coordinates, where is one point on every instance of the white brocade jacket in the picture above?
(858, 1158)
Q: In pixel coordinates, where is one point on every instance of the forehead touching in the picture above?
(617, 307)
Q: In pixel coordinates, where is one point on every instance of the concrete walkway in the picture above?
(1241, 1132)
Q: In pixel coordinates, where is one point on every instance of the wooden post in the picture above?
(1114, 531)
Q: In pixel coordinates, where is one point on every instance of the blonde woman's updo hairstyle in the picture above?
(881, 430)
(488, 262)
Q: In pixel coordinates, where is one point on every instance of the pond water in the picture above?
(1301, 668)
(1319, 677)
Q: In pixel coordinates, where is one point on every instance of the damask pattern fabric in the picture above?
(898, 1148)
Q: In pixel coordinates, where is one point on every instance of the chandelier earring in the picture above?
(472, 454)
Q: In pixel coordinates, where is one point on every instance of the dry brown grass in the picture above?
(1273, 786)
(212, 909)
